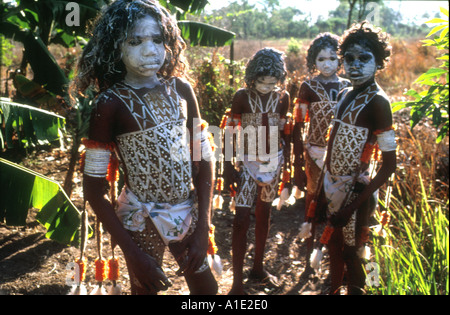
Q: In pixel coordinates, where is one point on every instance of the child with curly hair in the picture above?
(143, 111)
(363, 120)
(260, 111)
(316, 100)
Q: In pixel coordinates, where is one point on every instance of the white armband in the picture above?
(96, 162)
(386, 141)
(207, 150)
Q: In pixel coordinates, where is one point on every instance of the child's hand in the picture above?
(342, 217)
(299, 177)
(197, 245)
(149, 275)
(230, 175)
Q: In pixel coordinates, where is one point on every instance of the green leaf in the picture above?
(36, 124)
(191, 6)
(436, 20)
(398, 106)
(201, 34)
(23, 188)
(436, 29)
(431, 73)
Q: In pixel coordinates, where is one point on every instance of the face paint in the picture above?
(265, 84)
(359, 64)
(143, 52)
(327, 62)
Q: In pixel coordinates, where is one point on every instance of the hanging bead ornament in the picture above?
(80, 272)
(218, 199)
(104, 269)
(100, 263)
(214, 260)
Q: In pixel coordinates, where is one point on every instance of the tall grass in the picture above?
(413, 256)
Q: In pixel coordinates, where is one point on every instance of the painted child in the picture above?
(363, 119)
(260, 110)
(317, 99)
(143, 110)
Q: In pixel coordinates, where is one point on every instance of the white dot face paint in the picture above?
(265, 84)
(143, 53)
(327, 62)
(359, 64)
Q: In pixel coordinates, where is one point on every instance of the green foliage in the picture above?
(273, 21)
(294, 47)
(214, 92)
(31, 125)
(201, 34)
(39, 23)
(26, 189)
(414, 255)
(6, 53)
(192, 6)
(433, 102)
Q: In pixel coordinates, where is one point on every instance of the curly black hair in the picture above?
(323, 40)
(265, 62)
(370, 37)
(101, 66)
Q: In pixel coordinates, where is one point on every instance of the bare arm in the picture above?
(145, 268)
(285, 107)
(203, 182)
(230, 173)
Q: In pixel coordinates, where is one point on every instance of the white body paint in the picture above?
(327, 63)
(265, 84)
(359, 64)
(143, 53)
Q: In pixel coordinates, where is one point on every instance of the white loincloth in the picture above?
(171, 221)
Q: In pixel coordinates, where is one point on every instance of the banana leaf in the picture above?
(201, 34)
(32, 125)
(22, 189)
(192, 6)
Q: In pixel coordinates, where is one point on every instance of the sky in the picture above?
(411, 10)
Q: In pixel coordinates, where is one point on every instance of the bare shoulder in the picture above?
(240, 101)
(380, 111)
(241, 93)
(103, 116)
(106, 104)
(381, 102)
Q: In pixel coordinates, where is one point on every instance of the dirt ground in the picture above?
(30, 264)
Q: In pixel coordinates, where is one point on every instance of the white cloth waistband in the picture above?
(171, 221)
(264, 172)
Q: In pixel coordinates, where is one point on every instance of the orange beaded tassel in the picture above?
(326, 235)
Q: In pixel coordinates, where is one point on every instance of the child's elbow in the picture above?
(389, 163)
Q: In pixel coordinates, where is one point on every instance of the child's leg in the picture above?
(262, 225)
(355, 270)
(245, 196)
(336, 252)
(239, 247)
(151, 243)
(201, 282)
(312, 172)
(355, 264)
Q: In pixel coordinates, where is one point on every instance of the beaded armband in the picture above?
(99, 160)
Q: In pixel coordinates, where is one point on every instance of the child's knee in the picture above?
(203, 283)
(242, 218)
